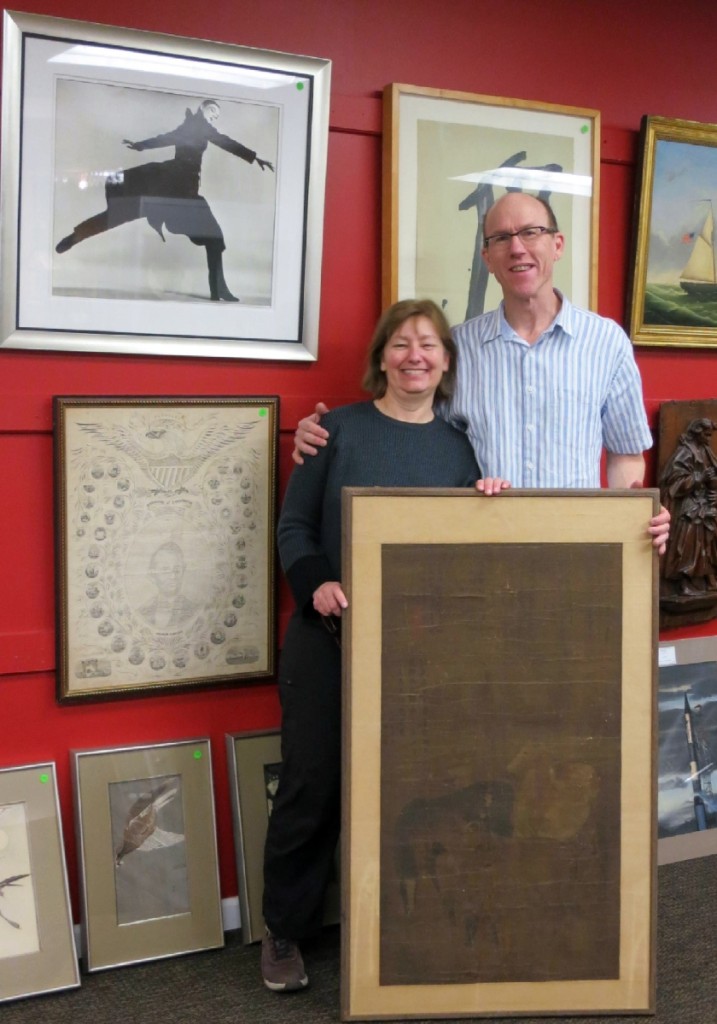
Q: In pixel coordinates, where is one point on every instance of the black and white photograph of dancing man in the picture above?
(193, 222)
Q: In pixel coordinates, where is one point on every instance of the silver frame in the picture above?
(250, 817)
(106, 943)
(304, 347)
(247, 754)
(54, 967)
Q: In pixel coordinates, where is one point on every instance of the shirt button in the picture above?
(530, 427)
(530, 389)
(529, 465)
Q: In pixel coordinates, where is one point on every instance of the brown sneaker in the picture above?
(282, 966)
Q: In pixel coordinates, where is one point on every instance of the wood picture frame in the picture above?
(487, 648)
(147, 852)
(254, 760)
(37, 943)
(82, 271)
(674, 274)
(165, 551)
(447, 156)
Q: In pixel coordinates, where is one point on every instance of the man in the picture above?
(542, 386)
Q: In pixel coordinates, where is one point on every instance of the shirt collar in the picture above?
(500, 328)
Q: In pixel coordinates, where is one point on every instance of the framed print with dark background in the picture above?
(447, 157)
(254, 760)
(499, 839)
(105, 132)
(165, 521)
(686, 785)
(674, 280)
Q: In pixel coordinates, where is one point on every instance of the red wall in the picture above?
(624, 59)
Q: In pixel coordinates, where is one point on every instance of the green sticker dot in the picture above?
(262, 412)
(197, 755)
(44, 777)
(585, 129)
(299, 86)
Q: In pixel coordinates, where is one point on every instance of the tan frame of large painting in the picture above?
(499, 806)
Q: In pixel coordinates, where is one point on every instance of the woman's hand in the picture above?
(329, 599)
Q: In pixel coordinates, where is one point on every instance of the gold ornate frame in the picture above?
(672, 222)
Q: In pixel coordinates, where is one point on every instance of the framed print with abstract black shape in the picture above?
(165, 522)
(499, 840)
(37, 945)
(254, 760)
(674, 276)
(147, 851)
(160, 195)
(447, 157)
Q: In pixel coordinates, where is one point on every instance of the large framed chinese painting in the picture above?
(499, 802)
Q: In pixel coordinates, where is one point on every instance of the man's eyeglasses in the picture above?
(527, 235)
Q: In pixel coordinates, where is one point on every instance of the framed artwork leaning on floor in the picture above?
(254, 760)
(37, 945)
(147, 852)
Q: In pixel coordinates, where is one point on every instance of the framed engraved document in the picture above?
(499, 753)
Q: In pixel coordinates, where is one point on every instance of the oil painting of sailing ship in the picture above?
(675, 273)
(699, 278)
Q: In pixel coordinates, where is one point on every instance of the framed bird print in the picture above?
(165, 521)
(37, 945)
(147, 850)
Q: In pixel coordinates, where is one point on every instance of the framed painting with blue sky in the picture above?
(674, 286)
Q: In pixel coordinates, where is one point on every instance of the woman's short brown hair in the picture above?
(391, 319)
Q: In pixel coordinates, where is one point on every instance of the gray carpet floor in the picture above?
(222, 986)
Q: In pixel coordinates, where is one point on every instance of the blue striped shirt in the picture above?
(539, 415)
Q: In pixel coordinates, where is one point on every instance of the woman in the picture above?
(394, 440)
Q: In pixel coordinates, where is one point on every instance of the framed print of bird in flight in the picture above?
(147, 851)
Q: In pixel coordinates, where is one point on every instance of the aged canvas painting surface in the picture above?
(500, 844)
